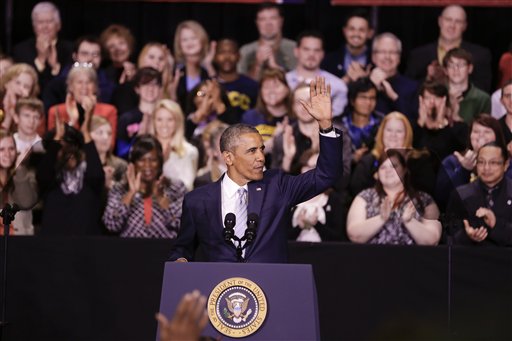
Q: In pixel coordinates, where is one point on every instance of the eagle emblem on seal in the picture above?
(237, 304)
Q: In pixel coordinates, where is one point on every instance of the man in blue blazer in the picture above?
(271, 193)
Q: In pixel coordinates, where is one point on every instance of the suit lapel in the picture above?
(213, 205)
(256, 195)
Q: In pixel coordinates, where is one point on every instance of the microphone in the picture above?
(252, 224)
(229, 227)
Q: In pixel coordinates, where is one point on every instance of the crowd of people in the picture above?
(96, 140)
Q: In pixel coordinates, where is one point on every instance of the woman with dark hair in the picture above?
(146, 205)
(207, 102)
(148, 86)
(361, 119)
(438, 128)
(458, 168)
(17, 185)
(71, 180)
(393, 212)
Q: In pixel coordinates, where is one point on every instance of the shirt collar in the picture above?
(230, 187)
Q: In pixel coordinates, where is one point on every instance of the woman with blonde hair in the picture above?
(19, 81)
(159, 57)
(395, 132)
(194, 56)
(82, 84)
(180, 157)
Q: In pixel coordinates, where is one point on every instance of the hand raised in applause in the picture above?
(320, 103)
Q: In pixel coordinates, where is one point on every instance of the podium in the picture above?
(288, 311)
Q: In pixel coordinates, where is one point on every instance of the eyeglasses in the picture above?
(387, 53)
(87, 54)
(201, 93)
(86, 65)
(491, 163)
(454, 66)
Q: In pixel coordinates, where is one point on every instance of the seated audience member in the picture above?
(18, 185)
(194, 57)
(146, 205)
(393, 212)
(82, 85)
(351, 60)
(480, 211)
(396, 91)
(119, 43)
(19, 81)
(113, 166)
(505, 67)
(5, 63)
(272, 107)
(207, 102)
(242, 90)
(148, 87)
(425, 62)
(302, 135)
(180, 157)
(71, 181)
(321, 218)
(87, 50)
(438, 128)
(309, 53)
(46, 52)
(215, 165)
(271, 50)
(457, 168)
(506, 120)
(153, 55)
(394, 132)
(361, 120)
(28, 115)
(466, 99)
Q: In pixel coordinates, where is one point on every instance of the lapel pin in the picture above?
(258, 189)
(509, 202)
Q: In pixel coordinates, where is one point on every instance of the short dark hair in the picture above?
(229, 138)
(144, 144)
(146, 75)
(502, 148)
(269, 5)
(89, 39)
(436, 88)
(359, 13)
(459, 53)
(507, 83)
(488, 121)
(310, 34)
(230, 40)
(362, 84)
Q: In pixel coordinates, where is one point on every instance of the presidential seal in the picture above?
(237, 307)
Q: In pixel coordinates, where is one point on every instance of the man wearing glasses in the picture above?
(466, 99)
(481, 210)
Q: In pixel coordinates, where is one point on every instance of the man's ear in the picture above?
(228, 157)
(470, 68)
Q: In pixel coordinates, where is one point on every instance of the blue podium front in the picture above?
(249, 301)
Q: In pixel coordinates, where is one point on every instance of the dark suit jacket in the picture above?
(25, 52)
(467, 199)
(422, 56)
(271, 198)
(333, 62)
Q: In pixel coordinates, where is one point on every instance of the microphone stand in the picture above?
(7, 215)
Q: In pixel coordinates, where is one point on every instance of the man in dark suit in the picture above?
(426, 61)
(45, 51)
(350, 61)
(271, 193)
(481, 210)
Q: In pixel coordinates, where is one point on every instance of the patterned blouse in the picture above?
(129, 221)
(393, 232)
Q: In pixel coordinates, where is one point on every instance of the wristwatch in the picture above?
(326, 131)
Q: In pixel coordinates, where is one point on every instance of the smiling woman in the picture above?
(146, 204)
